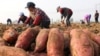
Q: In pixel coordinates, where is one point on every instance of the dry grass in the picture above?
(94, 27)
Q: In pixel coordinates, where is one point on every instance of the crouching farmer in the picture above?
(38, 16)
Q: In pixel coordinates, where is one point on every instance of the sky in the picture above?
(13, 8)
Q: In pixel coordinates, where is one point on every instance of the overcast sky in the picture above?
(13, 8)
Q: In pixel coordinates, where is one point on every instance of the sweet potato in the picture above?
(98, 34)
(37, 29)
(2, 42)
(26, 38)
(96, 48)
(55, 44)
(95, 40)
(41, 40)
(12, 51)
(80, 44)
(93, 36)
(66, 39)
(10, 35)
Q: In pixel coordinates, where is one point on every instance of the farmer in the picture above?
(87, 18)
(96, 16)
(38, 16)
(9, 21)
(66, 13)
(22, 18)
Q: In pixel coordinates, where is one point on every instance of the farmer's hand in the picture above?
(32, 25)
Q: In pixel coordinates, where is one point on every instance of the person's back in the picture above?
(22, 18)
(89, 16)
(43, 14)
(44, 20)
(86, 17)
(9, 21)
(66, 11)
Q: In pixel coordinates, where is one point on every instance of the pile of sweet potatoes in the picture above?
(50, 42)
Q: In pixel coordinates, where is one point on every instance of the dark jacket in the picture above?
(96, 15)
(22, 18)
(9, 20)
(65, 12)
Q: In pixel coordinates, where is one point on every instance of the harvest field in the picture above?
(26, 41)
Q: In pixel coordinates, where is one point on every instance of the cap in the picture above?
(21, 14)
(30, 4)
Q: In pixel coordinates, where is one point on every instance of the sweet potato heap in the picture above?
(49, 42)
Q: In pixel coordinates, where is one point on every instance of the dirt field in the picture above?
(94, 27)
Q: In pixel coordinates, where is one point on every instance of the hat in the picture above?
(21, 14)
(30, 4)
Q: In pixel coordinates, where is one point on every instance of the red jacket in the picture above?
(39, 17)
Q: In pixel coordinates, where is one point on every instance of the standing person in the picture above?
(96, 16)
(38, 16)
(87, 18)
(66, 13)
(9, 21)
